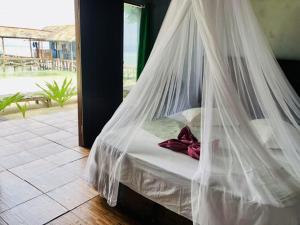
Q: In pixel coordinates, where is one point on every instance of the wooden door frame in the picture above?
(79, 73)
(79, 66)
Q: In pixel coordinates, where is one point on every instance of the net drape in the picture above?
(212, 54)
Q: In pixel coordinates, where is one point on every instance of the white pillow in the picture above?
(265, 132)
(189, 117)
(192, 117)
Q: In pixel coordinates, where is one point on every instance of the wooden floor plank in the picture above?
(82, 150)
(97, 212)
(67, 219)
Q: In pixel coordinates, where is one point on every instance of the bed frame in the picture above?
(147, 211)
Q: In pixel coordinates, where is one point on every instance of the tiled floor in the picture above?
(41, 171)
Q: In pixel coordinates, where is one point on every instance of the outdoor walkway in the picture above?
(41, 169)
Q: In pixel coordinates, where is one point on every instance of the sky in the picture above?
(36, 13)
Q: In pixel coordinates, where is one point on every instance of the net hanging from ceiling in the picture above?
(212, 55)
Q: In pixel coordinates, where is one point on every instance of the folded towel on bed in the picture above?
(185, 143)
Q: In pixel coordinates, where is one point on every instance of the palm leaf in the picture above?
(22, 109)
(7, 101)
(60, 94)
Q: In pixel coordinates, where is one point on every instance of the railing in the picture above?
(129, 72)
(27, 63)
(37, 64)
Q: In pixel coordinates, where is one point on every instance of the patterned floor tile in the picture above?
(64, 157)
(33, 169)
(11, 149)
(70, 142)
(14, 191)
(77, 167)
(52, 179)
(47, 150)
(15, 138)
(37, 211)
(17, 159)
(58, 135)
(42, 131)
(73, 194)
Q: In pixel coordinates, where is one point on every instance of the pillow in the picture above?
(265, 132)
(192, 118)
(164, 128)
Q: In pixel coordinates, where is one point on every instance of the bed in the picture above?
(148, 167)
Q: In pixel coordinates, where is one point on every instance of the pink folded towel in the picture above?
(186, 143)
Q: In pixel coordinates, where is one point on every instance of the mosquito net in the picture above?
(212, 55)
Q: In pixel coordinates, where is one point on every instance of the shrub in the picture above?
(7, 101)
(60, 94)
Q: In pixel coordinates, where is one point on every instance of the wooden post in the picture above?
(79, 74)
(42, 55)
(30, 44)
(71, 69)
(61, 57)
(41, 49)
(31, 53)
(71, 50)
(38, 49)
(3, 54)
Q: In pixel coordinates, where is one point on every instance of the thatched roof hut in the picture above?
(65, 33)
(24, 33)
(61, 33)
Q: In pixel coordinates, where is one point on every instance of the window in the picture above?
(132, 17)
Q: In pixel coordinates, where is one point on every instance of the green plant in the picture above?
(60, 94)
(7, 101)
(22, 108)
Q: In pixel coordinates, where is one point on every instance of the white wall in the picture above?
(280, 19)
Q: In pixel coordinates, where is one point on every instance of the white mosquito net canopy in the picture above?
(212, 54)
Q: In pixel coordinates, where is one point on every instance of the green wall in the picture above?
(280, 20)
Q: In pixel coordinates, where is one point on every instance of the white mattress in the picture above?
(164, 176)
(149, 167)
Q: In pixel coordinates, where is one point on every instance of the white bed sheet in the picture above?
(164, 177)
(149, 167)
